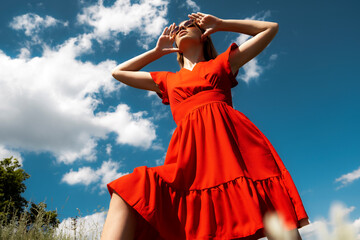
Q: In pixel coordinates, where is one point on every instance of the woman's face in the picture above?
(187, 36)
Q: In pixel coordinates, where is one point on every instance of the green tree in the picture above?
(12, 204)
(11, 188)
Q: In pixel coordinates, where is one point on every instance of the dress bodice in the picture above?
(185, 84)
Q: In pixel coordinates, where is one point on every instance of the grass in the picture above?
(88, 227)
(18, 228)
(41, 229)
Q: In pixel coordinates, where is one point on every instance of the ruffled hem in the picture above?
(231, 210)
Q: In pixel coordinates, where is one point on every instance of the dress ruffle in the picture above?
(208, 213)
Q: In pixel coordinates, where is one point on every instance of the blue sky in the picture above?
(75, 128)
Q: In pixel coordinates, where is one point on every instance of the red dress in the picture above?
(220, 175)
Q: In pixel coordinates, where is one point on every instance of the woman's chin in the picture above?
(185, 41)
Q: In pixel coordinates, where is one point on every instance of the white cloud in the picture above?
(50, 103)
(24, 53)
(192, 5)
(108, 149)
(172, 131)
(158, 146)
(86, 176)
(146, 16)
(132, 129)
(88, 227)
(108, 172)
(151, 94)
(6, 153)
(348, 178)
(33, 24)
(273, 57)
(50, 100)
(337, 227)
(252, 69)
(161, 160)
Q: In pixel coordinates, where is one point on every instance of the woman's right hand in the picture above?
(165, 42)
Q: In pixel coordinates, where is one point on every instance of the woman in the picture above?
(221, 174)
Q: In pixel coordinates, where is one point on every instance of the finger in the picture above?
(170, 28)
(171, 50)
(173, 26)
(201, 14)
(163, 33)
(167, 31)
(197, 19)
(194, 18)
(172, 38)
(196, 15)
(206, 33)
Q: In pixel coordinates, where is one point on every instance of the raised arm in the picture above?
(128, 72)
(262, 31)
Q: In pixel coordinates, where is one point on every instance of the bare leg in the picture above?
(296, 234)
(120, 221)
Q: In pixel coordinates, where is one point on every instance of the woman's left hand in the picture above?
(207, 22)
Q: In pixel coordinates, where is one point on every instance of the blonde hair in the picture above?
(209, 50)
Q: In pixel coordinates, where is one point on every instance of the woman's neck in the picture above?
(192, 55)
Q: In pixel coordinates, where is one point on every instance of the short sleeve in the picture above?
(224, 60)
(160, 78)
